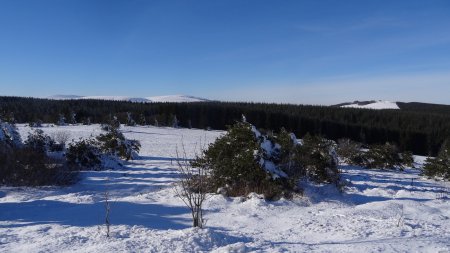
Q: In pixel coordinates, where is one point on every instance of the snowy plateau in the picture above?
(155, 99)
(379, 210)
(375, 105)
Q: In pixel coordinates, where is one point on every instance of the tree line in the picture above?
(419, 128)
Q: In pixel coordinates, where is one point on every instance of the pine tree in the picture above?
(61, 120)
(73, 119)
(130, 120)
(114, 143)
(9, 134)
(142, 120)
(175, 121)
(439, 166)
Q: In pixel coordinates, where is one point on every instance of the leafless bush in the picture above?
(107, 211)
(192, 188)
(61, 137)
(401, 218)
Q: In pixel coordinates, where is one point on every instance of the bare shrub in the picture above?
(61, 137)
(107, 211)
(192, 188)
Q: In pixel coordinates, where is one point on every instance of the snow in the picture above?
(155, 99)
(377, 105)
(379, 211)
(176, 99)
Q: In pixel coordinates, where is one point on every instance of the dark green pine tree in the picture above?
(439, 166)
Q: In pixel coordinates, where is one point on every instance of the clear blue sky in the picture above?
(314, 52)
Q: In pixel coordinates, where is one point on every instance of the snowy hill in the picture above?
(376, 105)
(379, 211)
(155, 99)
(176, 98)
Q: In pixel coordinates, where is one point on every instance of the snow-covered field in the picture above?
(380, 211)
(376, 105)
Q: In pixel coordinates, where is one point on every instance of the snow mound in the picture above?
(376, 105)
(155, 99)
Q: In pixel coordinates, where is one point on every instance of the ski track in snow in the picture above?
(146, 215)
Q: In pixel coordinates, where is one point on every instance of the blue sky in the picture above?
(313, 52)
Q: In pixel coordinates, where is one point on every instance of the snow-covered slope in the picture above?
(65, 97)
(176, 98)
(156, 99)
(377, 105)
(380, 211)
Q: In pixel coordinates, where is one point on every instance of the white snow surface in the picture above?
(377, 105)
(380, 211)
(155, 99)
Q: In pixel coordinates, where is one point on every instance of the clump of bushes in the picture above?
(439, 167)
(386, 156)
(103, 151)
(244, 160)
(29, 164)
(39, 141)
(350, 152)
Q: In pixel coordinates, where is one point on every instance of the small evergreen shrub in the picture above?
(289, 159)
(114, 143)
(384, 156)
(39, 141)
(9, 135)
(439, 166)
(350, 152)
(85, 153)
(407, 159)
(37, 123)
(319, 159)
(236, 162)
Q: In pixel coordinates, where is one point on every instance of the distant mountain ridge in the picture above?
(154, 99)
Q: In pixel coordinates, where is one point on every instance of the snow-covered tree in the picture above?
(39, 141)
(130, 120)
(85, 153)
(175, 121)
(73, 119)
(113, 142)
(87, 121)
(319, 159)
(37, 123)
(61, 120)
(142, 120)
(9, 134)
(243, 161)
